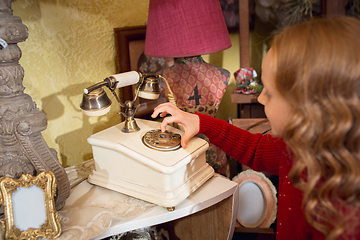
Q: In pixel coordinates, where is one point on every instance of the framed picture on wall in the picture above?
(130, 45)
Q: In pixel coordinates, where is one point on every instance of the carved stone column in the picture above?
(22, 147)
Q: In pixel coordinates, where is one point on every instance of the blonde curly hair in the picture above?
(317, 66)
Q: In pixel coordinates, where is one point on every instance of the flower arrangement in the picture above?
(246, 80)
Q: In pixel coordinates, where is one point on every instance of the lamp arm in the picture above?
(171, 95)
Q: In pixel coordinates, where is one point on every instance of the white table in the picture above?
(212, 192)
(208, 213)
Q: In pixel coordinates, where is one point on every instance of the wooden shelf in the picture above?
(244, 98)
(248, 105)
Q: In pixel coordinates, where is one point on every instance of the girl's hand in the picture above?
(189, 121)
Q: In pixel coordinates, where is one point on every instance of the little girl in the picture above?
(311, 95)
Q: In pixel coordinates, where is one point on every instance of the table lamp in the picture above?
(135, 157)
(185, 30)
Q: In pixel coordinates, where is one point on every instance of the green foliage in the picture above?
(258, 88)
(252, 84)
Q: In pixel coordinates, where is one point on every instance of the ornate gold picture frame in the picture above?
(29, 207)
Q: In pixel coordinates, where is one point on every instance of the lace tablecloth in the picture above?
(90, 210)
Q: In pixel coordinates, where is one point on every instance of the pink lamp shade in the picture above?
(183, 28)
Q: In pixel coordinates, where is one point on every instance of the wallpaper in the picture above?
(70, 47)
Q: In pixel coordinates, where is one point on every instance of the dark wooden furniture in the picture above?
(248, 106)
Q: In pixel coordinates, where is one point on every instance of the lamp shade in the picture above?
(183, 28)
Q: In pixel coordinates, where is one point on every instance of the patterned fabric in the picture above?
(199, 87)
(196, 83)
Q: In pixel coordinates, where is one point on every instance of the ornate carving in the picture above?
(10, 83)
(5, 6)
(22, 147)
(12, 30)
(12, 53)
(14, 166)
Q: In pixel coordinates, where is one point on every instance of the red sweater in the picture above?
(266, 154)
